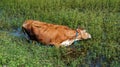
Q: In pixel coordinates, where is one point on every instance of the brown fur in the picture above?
(50, 33)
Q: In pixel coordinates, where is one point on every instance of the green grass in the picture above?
(101, 18)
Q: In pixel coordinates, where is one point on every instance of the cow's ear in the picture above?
(84, 30)
(77, 29)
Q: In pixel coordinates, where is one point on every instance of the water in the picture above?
(17, 33)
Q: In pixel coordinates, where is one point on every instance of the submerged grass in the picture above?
(100, 17)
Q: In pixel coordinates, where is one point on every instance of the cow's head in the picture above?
(82, 34)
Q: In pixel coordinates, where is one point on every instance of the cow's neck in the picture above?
(69, 41)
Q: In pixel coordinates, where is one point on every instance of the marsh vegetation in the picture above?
(99, 17)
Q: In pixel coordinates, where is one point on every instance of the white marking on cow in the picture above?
(68, 42)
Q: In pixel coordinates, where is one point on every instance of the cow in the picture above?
(52, 34)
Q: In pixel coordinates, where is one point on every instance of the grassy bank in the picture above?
(101, 18)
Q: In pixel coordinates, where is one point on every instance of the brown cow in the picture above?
(57, 35)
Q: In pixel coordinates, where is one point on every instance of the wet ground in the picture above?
(17, 33)
(69, 54)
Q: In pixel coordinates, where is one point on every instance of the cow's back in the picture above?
(48, 33)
